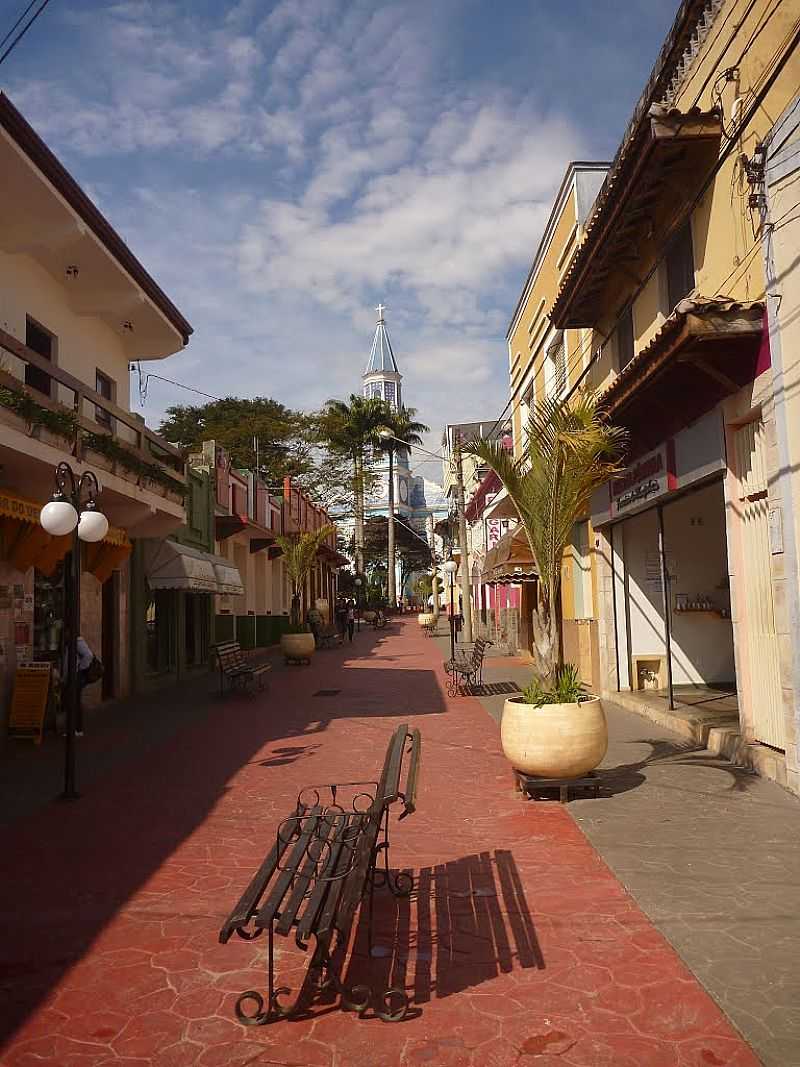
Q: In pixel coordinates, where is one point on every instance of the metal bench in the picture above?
(466, 670)
(430, 628)
(325, 860)
(234, 668)
(325, 635)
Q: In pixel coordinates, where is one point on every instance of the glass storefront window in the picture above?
(160, 631)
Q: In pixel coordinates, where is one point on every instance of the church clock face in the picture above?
(403, 490)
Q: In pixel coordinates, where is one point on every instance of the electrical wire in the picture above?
(22, 16)
(24, 30)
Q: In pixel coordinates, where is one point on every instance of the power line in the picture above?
(24, 29)
(22, 16)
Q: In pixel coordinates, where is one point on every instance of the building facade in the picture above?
(76, 308)
(692, 548)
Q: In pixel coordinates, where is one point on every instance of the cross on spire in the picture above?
(380, 309)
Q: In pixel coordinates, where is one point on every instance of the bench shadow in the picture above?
(466, 922)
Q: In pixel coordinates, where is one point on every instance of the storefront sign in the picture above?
(650, 477)
(494, 531)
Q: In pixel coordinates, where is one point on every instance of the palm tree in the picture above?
(571, 450)
(349, 429)
(299, 553)
(399, 430)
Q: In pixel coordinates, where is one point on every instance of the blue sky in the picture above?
(280, 168)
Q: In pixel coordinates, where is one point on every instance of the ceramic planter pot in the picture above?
(297, 646)
(425, 618)
(556, 740)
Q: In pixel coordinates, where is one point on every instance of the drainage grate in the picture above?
(326, 692)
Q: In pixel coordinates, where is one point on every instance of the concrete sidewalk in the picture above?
(518, 945)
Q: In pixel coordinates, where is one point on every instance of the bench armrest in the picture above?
(410, 794)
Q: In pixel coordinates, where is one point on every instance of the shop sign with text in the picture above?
(650, 477)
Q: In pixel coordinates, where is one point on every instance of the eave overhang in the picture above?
(664, 167)
(705, 351)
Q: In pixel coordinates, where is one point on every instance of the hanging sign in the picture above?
(650, 477)
(494, 531)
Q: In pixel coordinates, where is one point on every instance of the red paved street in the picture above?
(517, 947)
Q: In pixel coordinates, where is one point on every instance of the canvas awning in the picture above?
(510, 560)
(172, 566)
(25, 543)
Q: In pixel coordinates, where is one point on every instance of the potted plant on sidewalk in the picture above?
(554, 729)
(299, 555)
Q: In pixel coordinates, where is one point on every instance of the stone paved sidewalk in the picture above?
(519, 945)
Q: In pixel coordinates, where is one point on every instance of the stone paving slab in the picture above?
(518, 946)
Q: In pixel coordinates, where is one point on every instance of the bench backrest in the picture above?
(229, 655)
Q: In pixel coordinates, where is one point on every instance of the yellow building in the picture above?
(695, 542)
(547, 361)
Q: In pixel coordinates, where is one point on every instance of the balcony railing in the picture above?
(75, 417)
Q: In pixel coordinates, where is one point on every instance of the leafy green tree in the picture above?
(401, 431)
(413, 550)
(571, 450)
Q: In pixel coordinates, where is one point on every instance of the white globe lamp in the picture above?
(93, 525)
(58, 517)
(450, 567)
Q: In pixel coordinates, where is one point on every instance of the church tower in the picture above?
(381, 377)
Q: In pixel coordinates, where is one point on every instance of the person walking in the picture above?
(341, 617)
(84, 665)
(351, 618)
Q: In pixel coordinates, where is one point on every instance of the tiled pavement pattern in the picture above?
(519, 946)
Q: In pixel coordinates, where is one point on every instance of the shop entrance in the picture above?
(701, 652)
(110, 629)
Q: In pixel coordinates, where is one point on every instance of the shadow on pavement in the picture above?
(628, 776)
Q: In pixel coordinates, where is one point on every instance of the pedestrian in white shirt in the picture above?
(84, 660)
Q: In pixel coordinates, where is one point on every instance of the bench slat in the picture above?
(283, 882)
(340, 860)
(328, 830)
(389, 788)
(248, 901)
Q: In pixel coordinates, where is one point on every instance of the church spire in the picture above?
(381, 358)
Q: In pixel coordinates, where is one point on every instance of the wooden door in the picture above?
(756, 610)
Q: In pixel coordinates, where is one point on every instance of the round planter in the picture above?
(556, 740)
(297, 646)
(368, 616)
(425, 618)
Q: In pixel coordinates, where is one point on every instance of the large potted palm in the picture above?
(554, 729)
(299, 554)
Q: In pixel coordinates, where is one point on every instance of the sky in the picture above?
(281, 168)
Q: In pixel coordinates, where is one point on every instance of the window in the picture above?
(390, 394)
(105, 387)
(624, 339)
(557, 359)
(41, 341)
(680, 267)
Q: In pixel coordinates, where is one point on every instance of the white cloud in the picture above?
(354, 170)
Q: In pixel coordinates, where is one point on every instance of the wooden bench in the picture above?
(324, 862)
(234, 668)
(466, 670)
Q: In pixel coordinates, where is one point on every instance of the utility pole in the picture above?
(434, 569)
(392, 573)
(466, 592)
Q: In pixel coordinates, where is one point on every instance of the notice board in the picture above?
(29, 703)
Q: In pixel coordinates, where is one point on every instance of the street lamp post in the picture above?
(358, 604)
(73, 509)
(450, 567)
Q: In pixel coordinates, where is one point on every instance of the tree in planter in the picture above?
(412, 550)
(299, 556)
(571, 450)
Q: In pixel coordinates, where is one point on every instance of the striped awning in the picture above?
(169, 565)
